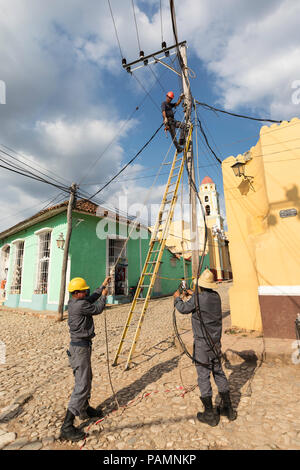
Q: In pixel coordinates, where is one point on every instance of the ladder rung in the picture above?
(154, 251)
(152, 262)
(145, 286)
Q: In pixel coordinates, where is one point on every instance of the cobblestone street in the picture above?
(158, 398)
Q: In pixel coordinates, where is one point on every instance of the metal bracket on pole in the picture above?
(145, 59)
(166, 65)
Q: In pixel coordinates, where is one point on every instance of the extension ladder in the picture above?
(156, 247)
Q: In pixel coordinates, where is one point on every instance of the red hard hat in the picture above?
(170, 94)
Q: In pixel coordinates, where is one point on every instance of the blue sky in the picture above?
(68, 98)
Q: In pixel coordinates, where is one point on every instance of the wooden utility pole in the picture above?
(190, 163)
(66, 253)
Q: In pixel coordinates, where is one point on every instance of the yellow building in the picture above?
(263, 216)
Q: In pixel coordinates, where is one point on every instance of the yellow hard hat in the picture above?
(77, 283)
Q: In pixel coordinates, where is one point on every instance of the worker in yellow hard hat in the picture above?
(81, 308)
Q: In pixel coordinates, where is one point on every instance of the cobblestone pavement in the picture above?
(158, 398)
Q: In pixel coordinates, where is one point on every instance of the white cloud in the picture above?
(252, 49)
(57, 56)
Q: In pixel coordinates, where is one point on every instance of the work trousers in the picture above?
(203, 354)
(80, 361)
(173, 125)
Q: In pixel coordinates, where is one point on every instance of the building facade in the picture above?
(263, 214)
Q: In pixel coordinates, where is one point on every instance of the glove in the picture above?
(181, 96)
(166, 122)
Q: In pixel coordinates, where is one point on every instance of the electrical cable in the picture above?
(129, 163)
(212, 346)
(35, 178)
(147, 93)
(206, 141)
(29, 208)
(33, 163)
(136, 27)
(205, 105)
(112, 16)
(161, 23)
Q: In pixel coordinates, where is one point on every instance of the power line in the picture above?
(112, 17)
(15, 169)
(33, 163)
(27, 172)
(161, 23)
(136, 27)
(32, 207)
(129, 163)
(206, 141)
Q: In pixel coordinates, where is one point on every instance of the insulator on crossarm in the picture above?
(146, 62)
(142, 54)
(124, 61)
(163, 45)
(128, 69)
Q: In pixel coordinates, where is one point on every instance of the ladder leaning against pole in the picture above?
(156, 247)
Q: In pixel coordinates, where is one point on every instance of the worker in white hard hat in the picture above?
(170, 122)
(207, 331)
(81, 309)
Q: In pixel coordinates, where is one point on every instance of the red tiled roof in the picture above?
(207, 180)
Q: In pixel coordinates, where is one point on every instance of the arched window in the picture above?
(206, 199)
(207, 210)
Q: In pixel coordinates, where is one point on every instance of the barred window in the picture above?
(43, 263)
(17, 271)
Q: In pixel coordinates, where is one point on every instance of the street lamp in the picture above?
(60, 241)
(239, 171)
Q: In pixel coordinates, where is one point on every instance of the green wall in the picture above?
(28, 299)
(87, 255)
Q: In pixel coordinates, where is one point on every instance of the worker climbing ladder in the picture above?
(156, 248)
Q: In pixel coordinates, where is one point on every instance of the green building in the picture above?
(31, 257)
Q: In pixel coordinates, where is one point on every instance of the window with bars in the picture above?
(43, 263)
(16, 284)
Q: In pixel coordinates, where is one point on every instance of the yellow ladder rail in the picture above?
(155, 252)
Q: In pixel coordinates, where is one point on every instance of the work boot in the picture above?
(209, 417)
(90, 412)
(225, 407)
(181, 141)
(179, 149)
(68, 432)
